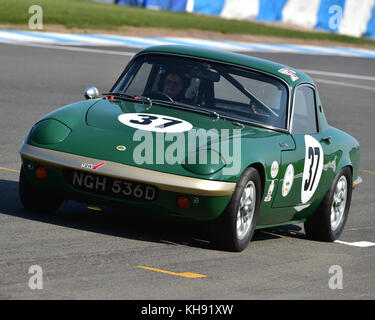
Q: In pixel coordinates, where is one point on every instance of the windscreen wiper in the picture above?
(189, 107)
(177, 104)
(129, 96)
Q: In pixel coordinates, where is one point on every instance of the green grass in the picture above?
(86, 15)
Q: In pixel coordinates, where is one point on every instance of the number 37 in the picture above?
(314, 157)
(148, 119)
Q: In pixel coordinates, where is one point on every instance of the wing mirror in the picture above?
(91, 93)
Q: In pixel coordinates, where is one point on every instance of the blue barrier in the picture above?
(138, 3)
(208, 6)
(370, 31)
(178, 5)
(173, 5)
(326, 15)
(270, 10)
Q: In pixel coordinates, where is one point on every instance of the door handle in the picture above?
(283, 145)
(327, 140)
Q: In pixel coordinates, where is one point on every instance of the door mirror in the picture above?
(91, 93)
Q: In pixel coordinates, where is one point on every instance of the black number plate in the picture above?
(113, 187)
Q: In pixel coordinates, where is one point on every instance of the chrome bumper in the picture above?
(164, 181)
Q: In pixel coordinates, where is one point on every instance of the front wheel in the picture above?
(328, 221)
(235, 227)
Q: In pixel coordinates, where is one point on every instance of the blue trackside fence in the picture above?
(349, 17)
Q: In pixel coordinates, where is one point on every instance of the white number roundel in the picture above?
(154, 122)
(313, 167)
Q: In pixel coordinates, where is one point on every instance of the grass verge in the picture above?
(86, 15)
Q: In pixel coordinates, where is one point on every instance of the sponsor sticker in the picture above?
(269, 193)
(289, 72)
(288, 180)
(92, 166)
(274, 169)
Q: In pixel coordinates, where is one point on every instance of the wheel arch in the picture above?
(260, 168)
(347, 150)
(344, 162)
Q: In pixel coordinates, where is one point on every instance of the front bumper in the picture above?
(164, 181)
(214, 195)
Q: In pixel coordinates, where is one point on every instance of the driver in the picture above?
(173, 85)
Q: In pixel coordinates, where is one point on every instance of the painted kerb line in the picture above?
(367, 171)
(7, 169)
(189, 275)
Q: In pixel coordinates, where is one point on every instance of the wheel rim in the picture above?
(339, 202)
(246, 210)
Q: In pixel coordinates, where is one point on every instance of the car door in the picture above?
(301, 169)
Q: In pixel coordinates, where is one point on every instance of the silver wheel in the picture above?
(339, 202)
(234, 228)
(246, 210)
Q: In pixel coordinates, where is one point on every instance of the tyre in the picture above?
(36, 199)
(235, 227)
(328, 221)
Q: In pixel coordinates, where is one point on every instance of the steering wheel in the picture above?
(158, 95)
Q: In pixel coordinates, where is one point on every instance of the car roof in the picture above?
(234, 58)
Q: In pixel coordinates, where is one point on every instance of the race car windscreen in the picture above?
(231, 92)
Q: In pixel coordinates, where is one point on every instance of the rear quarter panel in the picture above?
(343, 151)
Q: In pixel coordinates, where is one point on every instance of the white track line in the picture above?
(130, 54)
(344, 84)
(360, 244)
(339, 75)
(70, 48)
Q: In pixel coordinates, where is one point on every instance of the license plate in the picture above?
(111, 186)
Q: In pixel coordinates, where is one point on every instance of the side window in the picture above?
(304, 115)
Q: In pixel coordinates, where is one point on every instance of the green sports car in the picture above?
(238, 142)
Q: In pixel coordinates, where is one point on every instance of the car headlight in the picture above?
(49, 131)
(204, 162)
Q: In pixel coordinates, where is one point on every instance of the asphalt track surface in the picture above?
(86, 254)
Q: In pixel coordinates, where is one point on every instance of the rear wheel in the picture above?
(235, 227)
(36, 199)
(328, 222)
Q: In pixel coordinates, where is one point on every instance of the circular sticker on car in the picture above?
(288, 180)
(154, 122)
(274, 169)
(312, 169)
